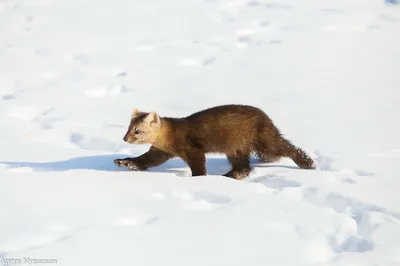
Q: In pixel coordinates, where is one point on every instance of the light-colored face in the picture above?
(143, 128)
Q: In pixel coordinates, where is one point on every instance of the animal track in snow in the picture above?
(208, 200)
(347, 180)
(96, 93)
(189, 62)
(347, 175)
(254, 3)
(48, 75)
(104, 92)
(244, 37)
(135, 220)
(143, 48)
(38, 3)
(49, 235)
(114, 126)
(193, 62)
(376, 154)
(330, 28)
(389, 18)
(209, 60)
(361, 239)
(79, 59)
(25, 113)
(199, 200)
(215, 42)
(391, 153)
(364, 173)
(331, 10)
(47, 123)
(54, 233)
(275, 42)
(176, 43)
(116, 72)
(276, 182)
(7, 97)
(92, 143)
(323, 163)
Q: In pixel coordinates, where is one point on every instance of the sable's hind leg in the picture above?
(266, 153)
(197, 162)
(267, 157)
(240, 166)
(153, 157)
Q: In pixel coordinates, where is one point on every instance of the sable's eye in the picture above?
(137, 131)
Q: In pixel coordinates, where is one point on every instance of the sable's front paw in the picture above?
(235, 174)
(126, 163)
(119, 162)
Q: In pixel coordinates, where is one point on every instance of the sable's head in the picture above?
(143, 128)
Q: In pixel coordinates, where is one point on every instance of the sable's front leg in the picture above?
(153, 157)
(128, 162)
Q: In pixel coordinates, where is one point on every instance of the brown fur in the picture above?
(235, 130)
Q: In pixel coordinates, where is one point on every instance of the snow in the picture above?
(326, 72)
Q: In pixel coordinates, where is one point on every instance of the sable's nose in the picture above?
(125, 138)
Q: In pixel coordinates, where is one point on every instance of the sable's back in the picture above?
(227, 127)
(227, 115)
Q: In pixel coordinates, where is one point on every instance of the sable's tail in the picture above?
(299, 156)
(272, 148)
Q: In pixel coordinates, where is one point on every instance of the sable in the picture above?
(235, 130)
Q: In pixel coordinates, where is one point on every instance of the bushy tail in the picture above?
(272, 148)
(299, 156)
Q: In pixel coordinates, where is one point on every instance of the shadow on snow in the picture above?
(215, 166)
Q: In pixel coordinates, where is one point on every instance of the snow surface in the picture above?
(71, 71)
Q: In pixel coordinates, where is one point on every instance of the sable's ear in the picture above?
(152, 119)
(135, 113)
